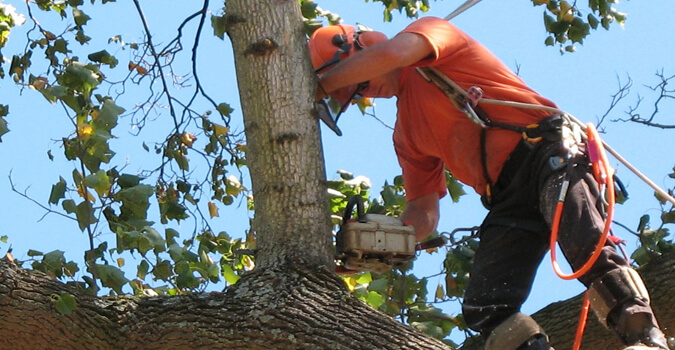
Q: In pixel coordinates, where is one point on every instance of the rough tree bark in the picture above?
(292, 308)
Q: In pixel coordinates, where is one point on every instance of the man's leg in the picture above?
(501, 279)
(619, 296)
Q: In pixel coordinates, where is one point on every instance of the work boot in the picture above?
(644, 338)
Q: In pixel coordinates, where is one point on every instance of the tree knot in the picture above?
(262, 48)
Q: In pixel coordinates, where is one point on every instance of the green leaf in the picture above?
(230, 276)
(170, 235)
(219, 24)
(103, 57)
(365, 278)
(593, 21)
(32, 252)
(61, 46)
(163, 270)
(64, 303)
(58, 191)
(52, 263)
(455, 188)
(641, 256)
(111, 277)
(107, 116)
(375, 299)
(644, 223)
(85, 214)
(157, 243)
(3, 126)
(142, 269)
(309, 9)
(99, 181)
(135, 201)
(429, 328)
(80, 17)
(669, 217)
(69, 206)
(379, 285)
(225, 109)
(78, 76)
(126, 180)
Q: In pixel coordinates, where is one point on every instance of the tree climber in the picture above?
(517, 163)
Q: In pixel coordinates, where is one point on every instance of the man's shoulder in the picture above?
(430, 24)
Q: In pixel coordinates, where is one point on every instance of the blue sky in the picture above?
(581, 83)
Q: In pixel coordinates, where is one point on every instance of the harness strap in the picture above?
(547, 129)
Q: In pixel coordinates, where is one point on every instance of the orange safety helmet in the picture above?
(329, 45)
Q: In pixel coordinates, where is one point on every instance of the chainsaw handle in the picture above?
(349, 210)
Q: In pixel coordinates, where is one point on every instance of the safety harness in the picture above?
(467, 102)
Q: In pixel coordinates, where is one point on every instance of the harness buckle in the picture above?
(474, 94)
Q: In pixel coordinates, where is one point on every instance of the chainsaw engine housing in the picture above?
(375, 243)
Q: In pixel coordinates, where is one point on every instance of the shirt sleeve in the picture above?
(422, 175)
(445, 39)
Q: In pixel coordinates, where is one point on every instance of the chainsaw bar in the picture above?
(323, 110)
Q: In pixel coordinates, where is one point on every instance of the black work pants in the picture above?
(515, 235)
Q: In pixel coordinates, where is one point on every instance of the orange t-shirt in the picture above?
(431, 133)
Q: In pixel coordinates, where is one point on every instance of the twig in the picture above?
(24, 195)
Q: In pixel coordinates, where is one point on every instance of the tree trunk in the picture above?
(285, 158)
(560, 319)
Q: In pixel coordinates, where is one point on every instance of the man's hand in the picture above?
(423, 214)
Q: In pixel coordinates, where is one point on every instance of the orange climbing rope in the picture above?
(603, 174)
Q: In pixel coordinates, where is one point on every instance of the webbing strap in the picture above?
(458, 97)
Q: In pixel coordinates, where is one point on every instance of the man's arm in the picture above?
(402, 50)
(423, 214)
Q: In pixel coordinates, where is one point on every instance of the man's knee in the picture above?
(518, 332)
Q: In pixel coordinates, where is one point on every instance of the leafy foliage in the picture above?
(98, 191)
(568, 25)
(653, 241)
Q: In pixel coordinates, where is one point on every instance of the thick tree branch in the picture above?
(286, 308)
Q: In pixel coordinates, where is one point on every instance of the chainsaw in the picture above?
(375, 242)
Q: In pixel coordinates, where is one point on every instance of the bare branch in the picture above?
(25, 195)
(624, 90)
(664, 93)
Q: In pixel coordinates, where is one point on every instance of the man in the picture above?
(519, 180)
